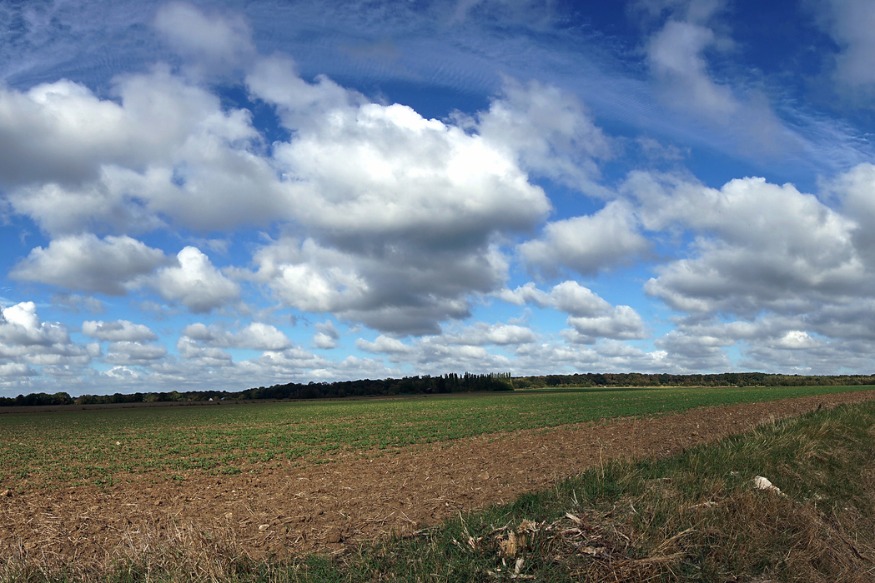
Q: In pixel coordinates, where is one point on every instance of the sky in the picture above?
(224, 195)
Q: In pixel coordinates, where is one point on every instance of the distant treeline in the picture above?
(727, 379)
(448, 383)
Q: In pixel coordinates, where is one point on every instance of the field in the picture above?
(73, 447)
(271, 481)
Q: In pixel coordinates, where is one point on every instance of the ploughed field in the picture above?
(96, 488)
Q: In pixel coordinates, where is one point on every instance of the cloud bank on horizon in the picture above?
(204, 195)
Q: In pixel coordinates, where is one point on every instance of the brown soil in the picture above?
(283, 510)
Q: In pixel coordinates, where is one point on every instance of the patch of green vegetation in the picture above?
(70, 447)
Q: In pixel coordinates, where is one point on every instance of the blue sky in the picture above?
(225, 195)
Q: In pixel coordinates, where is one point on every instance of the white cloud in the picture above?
(398, 215)
(383, 344)
(482, 334)
(591, 317)
(622, 323)
(195, 283)
(54, 132)
(393, 288)
(549, 132)
(603, 356)
(760, 246)
(132, 353)
(787, 273)
(261, 336)
(850, 23)
(796, 340)
(256, 336)
(326, 336)
(300, 104)
(166, 151)
(577, 300)
(380, 175)
(684, 55)
(434, 356)
(676, 58)
(12, 371)
(587, 244)
(526, 293)
(695, 351)
(856, 191)
(21, 326)
(506, 334)
(567, 296)
(204, 356)
(118, 331)
(25, 340)
(84, 262)
(216, 43)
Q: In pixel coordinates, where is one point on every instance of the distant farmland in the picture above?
(75, 447)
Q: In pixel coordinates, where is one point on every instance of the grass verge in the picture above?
(692, 517)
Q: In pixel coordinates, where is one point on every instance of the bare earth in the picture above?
(281, 510)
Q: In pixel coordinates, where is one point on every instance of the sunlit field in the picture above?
(98, 446)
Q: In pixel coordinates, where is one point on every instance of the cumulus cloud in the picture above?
(587, 244)
(21, 326)
(549, 132)
(326, 336)
(398, 215)
(195, 282)
(130, 345)
(621, 323)
(856, 190)
(166, 150)
(300, 104)
(10, 372)
(482, 334)
(478, 347)
(394, 220)
(768, 270)
(118, 331)
(399, 289)
(47, 133)
(378, 175)
(85, 262)
(132, 353)
(590, 316)
(260, 336)
(604, 355)
(695, 350)
(27, 344)
(256, 336)
(759, 246)
(207, 357)
(567, 296)
(383, 344)
(796, 340)
(798, 343)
